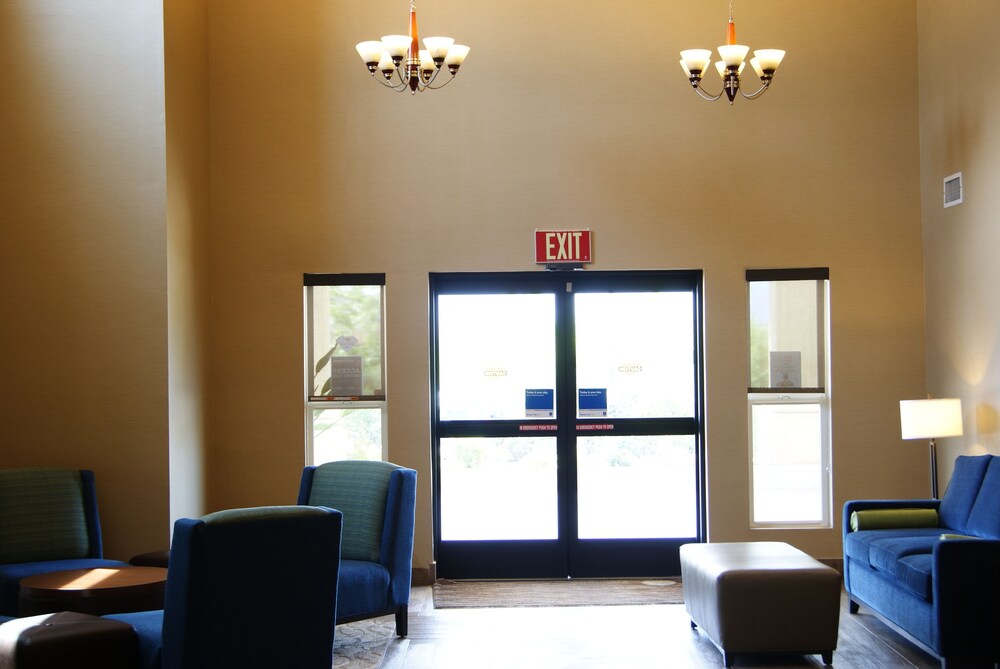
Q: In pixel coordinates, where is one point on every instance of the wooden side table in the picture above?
(95, 591)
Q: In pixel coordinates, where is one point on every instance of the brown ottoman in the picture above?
(68, 640)
(761, 597)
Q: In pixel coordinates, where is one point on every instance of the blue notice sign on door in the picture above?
(593, 402)
(539, 402)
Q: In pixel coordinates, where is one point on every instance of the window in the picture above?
(345, 367)
(788, 398)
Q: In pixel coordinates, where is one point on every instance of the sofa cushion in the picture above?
(913, 572)
(984, 521)
(42, 515)
(886, 553)
(858, 545)
(959, 497)
(363, 587)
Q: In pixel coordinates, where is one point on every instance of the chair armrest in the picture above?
(966, 592)
(866, 504)
(397, 534)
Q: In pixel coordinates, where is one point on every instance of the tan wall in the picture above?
(960, 132)
(558, 120)
(83, 291)
(188, 232)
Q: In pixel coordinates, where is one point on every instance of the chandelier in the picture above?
(730, 66)
(404, 65)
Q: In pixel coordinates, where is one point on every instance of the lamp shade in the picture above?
(929, 419)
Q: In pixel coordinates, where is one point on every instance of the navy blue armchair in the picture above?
(48, 522)
(247, 588)
(378, 500)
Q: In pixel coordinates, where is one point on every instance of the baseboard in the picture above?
(424, 576)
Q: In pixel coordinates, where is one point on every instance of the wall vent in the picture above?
(953, 190)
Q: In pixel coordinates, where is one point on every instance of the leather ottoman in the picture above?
(761, 597)
(68, 640)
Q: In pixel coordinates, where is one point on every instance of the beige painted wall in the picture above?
(559, 120)
(83, 290)
(188, 233)
(960, 132)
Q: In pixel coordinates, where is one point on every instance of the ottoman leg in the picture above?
(828, 657)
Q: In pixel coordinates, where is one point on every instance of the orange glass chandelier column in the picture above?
(730, 65)
(404, 65)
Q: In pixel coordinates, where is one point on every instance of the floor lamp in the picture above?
(931, 419)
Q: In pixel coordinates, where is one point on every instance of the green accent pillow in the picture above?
(42, 515)
(358, 489)
(946, 537)
(887, 519)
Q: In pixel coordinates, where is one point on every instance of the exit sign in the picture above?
(562, 246)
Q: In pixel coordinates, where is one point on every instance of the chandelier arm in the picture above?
(447, 81)
(430, 81)
(388, 84)
(756, 94)
(706, 95)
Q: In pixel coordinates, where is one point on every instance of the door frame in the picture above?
(550, 559)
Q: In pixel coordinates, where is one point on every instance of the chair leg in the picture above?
(402, 620)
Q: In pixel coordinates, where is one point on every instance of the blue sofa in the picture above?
(932, 567)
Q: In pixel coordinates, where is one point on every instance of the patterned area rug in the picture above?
(362, 645)
(576, 592)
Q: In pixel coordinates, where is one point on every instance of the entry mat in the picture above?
(562, 592)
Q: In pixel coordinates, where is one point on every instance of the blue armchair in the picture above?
(378, 500)
(48, 522)
(247, 588)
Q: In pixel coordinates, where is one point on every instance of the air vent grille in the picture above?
(953, 190)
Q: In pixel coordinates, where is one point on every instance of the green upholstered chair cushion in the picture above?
(358, 489)
(884, 519)
(41, 515)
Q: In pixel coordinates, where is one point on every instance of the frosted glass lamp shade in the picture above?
(438, 46)
(370, 51)
(929, 419)
(456, 55)
(386, 65)
(769, 59)
(696, 59)
(733, 54)
(426, 62)
(396, 45)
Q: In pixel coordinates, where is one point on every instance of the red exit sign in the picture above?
(562, 246)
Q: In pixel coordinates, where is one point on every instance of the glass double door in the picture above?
(566, 423)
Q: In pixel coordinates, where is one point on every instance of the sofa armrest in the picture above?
(966, 592)
(866, 504)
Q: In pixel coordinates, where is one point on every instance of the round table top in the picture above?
(96, 582)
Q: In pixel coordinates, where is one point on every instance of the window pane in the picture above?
(503, 488)
(636, 487)
(635, 354)
(345, 359)
(494, 349)
(346, 434)
(787, 328)
(787, 462)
